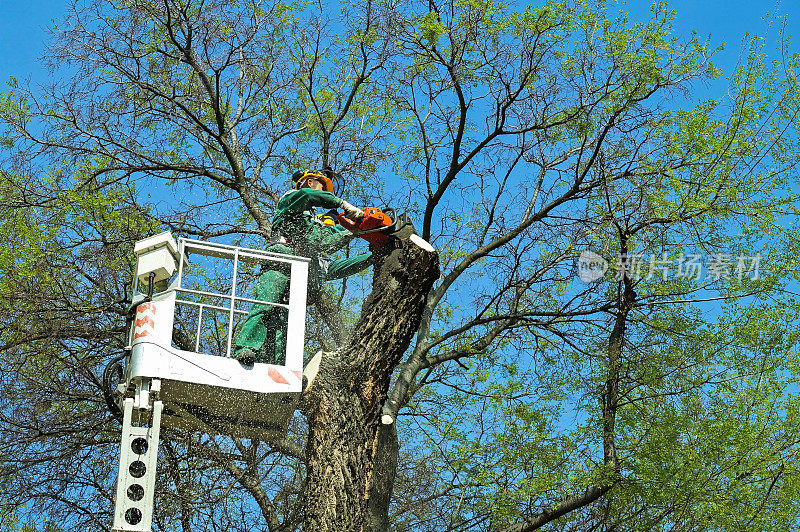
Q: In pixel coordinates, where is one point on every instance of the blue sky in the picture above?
(23, 25)
(22, 35)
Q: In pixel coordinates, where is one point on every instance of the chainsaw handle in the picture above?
(353, 227)
(347, 223)
(372, 227)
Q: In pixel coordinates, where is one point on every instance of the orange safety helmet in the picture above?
(301, 175)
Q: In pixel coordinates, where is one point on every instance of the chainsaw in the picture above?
(379, 226)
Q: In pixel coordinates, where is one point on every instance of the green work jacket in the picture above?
(297, 225)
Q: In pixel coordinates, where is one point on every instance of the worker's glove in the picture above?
(351, 212)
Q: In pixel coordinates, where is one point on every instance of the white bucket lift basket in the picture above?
(211, 392)
(194, 390)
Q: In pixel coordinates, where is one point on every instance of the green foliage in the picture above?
(516, 139)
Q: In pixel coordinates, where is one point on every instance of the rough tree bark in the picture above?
(344, 404)
(384, 472)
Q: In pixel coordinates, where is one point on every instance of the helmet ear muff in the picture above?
(327, 184)
(297, 177)
(334, 177)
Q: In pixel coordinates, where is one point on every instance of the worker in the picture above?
(297, 230)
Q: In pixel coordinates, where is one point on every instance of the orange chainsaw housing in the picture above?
(373, 219)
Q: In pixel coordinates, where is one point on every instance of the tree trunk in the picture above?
(344, 403)
(382, 486)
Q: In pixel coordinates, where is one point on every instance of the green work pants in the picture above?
(264, 328)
